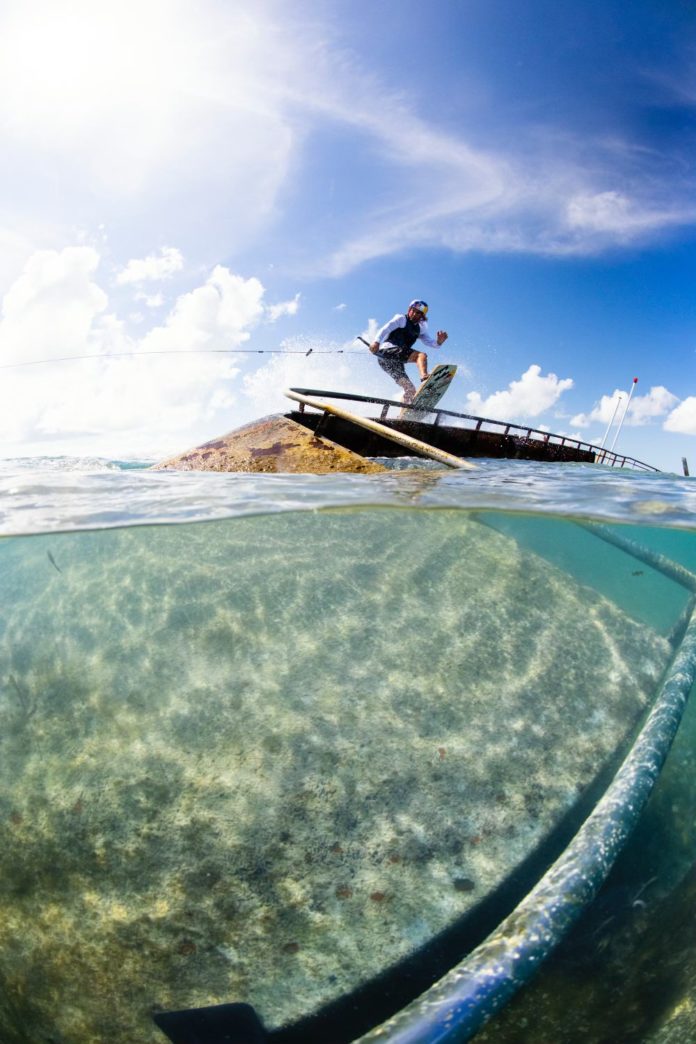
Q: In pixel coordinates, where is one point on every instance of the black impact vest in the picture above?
(405, 337)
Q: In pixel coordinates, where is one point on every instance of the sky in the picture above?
(195, 194)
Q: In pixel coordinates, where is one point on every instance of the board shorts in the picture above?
(392, 358)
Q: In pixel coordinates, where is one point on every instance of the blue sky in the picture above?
(183, 177)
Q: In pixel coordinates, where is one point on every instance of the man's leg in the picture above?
(421, 360)
(395, 369)
(409, 390)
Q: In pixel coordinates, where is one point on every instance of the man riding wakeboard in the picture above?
(394, 346)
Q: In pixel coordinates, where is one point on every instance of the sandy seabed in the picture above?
(263, 759)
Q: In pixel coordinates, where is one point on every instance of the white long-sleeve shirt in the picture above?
(399, 322)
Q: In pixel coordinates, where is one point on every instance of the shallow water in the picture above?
(267, 754)
(68, 493)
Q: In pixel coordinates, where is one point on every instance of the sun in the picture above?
(66, 66)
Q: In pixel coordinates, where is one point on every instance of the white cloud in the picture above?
(51, 308)
(602, 211)
(340, 307)
(335, 370)
(197, 114)
(152, 268)
(645, 408)
(508, 199)
(530, 396)
(683, 418)
(125, 400)
(615, 214)
(609, 406)
(16, 245)
(151, 300)
(275, 311)
(642, 409)
(216, 315)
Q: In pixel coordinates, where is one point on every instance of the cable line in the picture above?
(185, 351)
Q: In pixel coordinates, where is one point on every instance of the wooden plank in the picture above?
(421, 449)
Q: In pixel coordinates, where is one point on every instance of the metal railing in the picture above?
(520, 432)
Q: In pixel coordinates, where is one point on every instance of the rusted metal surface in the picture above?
(407, 443)
(463, 442)
(467, 435)
(318, 443)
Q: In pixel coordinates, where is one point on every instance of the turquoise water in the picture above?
(266, 737)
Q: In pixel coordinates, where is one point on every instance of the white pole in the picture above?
(606, 433)
(623, 415)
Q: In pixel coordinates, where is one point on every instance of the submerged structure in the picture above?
(334, 439)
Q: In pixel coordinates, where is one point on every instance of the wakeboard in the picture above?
(431, 390)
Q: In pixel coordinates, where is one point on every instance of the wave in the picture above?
(62, 464)
(64, 493)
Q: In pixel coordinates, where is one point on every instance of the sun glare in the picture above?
(63, 67)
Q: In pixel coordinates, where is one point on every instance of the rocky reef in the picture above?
(273, 444)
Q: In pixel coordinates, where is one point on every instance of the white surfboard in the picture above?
(421, 449)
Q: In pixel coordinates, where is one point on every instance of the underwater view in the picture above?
(303, 742)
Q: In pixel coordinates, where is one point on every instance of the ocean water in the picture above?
(300, 741)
